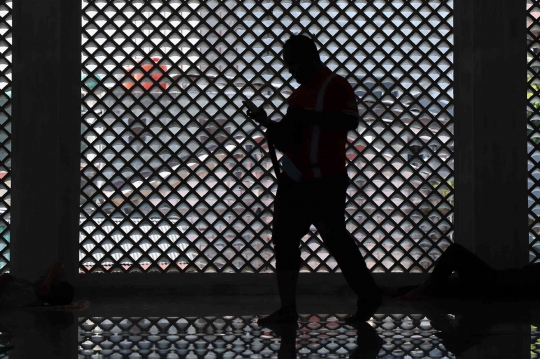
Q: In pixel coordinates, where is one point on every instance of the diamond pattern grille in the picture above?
(533, 126)
(5, 131)
(535, 342)
(175, 178)
(192, 337)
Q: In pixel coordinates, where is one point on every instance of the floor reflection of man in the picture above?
(368, 341)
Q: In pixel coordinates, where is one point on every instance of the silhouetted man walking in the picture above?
(312, 189)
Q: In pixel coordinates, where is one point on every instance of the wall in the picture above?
(490, 145)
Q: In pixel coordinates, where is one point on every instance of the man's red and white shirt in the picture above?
(322, 151)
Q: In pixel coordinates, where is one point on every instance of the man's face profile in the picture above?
(301, 68)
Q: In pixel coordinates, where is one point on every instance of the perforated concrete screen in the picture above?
(6, 40)
(176, 178)
(533, 121)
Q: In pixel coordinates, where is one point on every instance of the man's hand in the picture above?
(259, 116)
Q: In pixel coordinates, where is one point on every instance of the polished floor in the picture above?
(172, 326)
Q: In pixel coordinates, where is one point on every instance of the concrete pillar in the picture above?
(490, 131)
(46, 136)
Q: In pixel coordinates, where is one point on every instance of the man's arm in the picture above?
(284, 134)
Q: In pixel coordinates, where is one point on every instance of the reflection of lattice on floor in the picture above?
(176, 179)
(317, 334)
(4, 351)
(535, 342)
(5, 338)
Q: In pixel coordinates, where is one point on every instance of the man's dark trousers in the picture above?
(320, 202)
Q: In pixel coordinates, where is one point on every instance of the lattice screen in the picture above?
(6, 40)
(408, 336)
(175, 178)
(533, 124)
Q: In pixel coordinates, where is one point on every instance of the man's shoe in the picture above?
(366, 307)
(280, 316)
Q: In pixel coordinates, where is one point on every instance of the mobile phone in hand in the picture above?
(251, 106)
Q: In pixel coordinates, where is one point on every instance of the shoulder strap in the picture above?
(322, 91)
(319, 106)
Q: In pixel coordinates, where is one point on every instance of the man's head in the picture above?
(301, 58)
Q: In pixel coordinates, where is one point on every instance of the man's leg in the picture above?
(291, 222)
(330, 221)
(342, 246)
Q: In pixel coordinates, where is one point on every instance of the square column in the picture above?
(46, 136)
(491, 131)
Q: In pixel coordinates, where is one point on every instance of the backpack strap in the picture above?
(315, 135)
